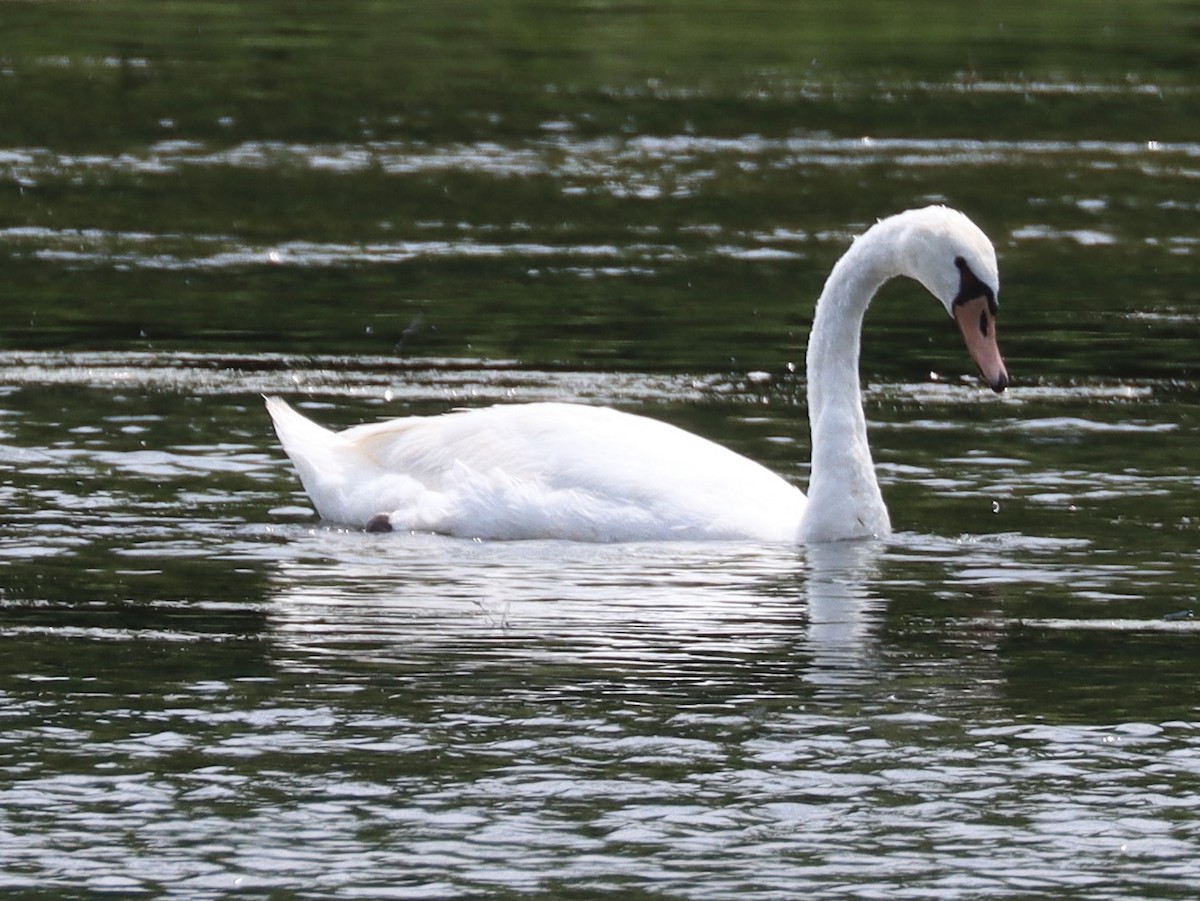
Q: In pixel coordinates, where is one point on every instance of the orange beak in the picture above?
(978, 325)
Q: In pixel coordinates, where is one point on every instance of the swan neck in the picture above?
(843, 487)
(835, 341)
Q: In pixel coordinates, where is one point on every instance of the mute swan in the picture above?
(554, 470)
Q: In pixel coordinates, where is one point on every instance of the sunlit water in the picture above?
(205, 691)
(640, 167)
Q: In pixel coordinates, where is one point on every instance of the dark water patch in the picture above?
(358, 68)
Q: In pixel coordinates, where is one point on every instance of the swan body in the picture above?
(568, 471)
(544, 470)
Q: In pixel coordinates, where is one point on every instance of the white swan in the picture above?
(551, 470)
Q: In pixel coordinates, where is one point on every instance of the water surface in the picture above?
(204, 690)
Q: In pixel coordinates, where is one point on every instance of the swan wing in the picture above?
(544, 470)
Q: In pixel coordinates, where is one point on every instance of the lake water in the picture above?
(205, 691)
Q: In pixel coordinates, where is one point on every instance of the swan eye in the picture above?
(970, 287)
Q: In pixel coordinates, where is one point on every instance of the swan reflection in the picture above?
(843, 611)
(734, 617)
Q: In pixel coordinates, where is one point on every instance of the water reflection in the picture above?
(842, 613)
(672, 612)
(639, 606)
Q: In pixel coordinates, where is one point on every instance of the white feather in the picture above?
(542, 470)
(551, 470)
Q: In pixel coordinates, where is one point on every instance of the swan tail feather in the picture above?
(319, 455)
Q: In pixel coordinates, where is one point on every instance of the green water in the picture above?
(381, 208)
(239, 128)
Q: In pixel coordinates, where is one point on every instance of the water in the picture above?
(203, 690)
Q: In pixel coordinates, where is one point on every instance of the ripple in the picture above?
(376, 378)
(205, 689)
(648, 168)
(1182, 626)
(564, 155)
(1079, 424)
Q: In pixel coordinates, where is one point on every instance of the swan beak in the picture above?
(978, 325)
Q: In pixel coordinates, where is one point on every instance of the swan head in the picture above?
(952, 257)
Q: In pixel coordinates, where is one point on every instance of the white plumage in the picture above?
(542, 470)
(551, 470)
